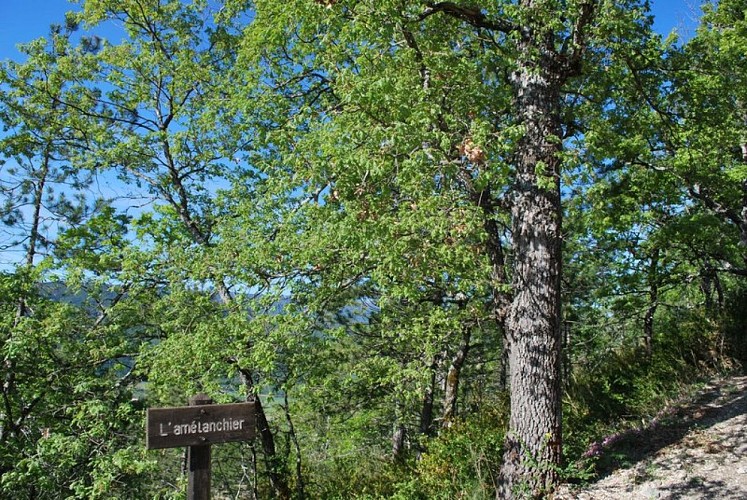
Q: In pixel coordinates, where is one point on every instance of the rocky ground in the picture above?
(694, 451)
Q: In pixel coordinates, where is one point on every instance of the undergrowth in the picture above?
(630, 395)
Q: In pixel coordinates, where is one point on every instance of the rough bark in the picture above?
(533, 329)
(533, 442)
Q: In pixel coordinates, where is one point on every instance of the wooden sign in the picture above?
(199, 425)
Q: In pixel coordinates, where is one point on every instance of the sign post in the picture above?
(198, 459)
(198, 426)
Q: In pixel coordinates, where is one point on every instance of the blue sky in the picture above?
(24, 20)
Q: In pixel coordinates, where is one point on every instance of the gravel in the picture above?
(700, 453)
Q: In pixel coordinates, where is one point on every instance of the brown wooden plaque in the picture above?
(199, 425)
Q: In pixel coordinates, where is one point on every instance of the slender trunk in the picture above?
(200, 235)
(255, 486)
(533, 441)
(36, 220)
(300, 494)
(14, 423)
(719, 291)
(565, 353)
(34, 234)
(503, 369)
(706, 284)
(399, 434)
(426, 413)
(275, 466)
(743, 212)
(398, 442)
(451, 388)
(498, 278)
(653, 303)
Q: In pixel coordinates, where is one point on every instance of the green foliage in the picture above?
(67, 402)
(463, 461)
(735, 328)
(313, 206)
(631, 389)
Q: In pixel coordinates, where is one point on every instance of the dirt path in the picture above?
(698, 451)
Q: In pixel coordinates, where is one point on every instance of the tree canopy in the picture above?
(444, 247)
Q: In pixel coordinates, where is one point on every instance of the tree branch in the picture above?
(699, 193)
(470, 14)
(578, 36)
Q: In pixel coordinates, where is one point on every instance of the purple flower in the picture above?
(594, 450)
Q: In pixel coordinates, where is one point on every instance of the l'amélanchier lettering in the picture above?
(199, 425)
(196, 427)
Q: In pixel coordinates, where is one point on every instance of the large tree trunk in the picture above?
(546, 59)
(533, 441)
